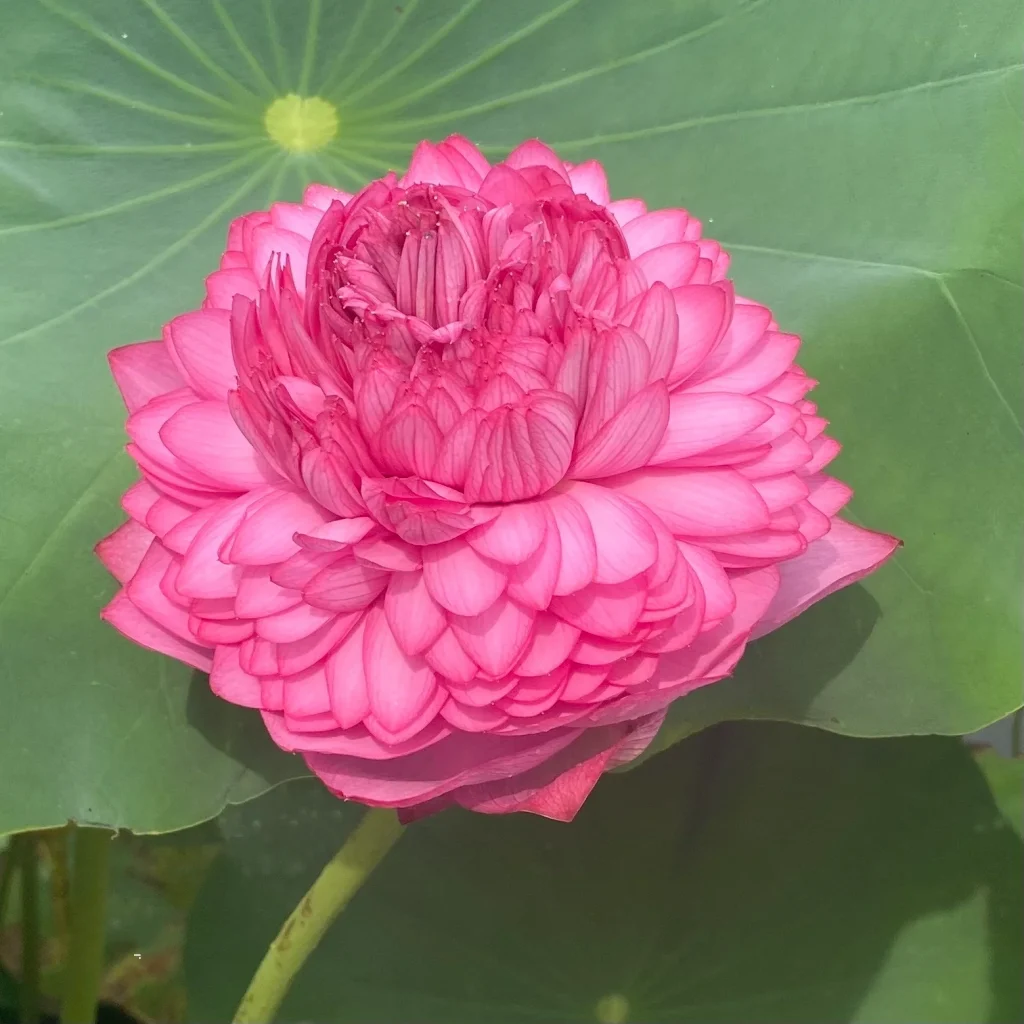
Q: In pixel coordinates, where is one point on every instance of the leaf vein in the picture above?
(194, 48)
(280, 58)
(545, 87)
(59, 528)
(129, 204)
(92, 29)
(99, 149)
(146, 268)
(131, 103)
(368, 61)
(337, 64)
(464, 69)
(240, 45)
(824, 257)
(424, 48)
(780, 111)
(973, 341)
(309, 51)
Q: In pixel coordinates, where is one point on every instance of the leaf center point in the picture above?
(301, 124)
(612, 1009)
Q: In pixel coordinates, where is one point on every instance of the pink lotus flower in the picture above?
(460, 481)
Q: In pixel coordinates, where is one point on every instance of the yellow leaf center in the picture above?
(301, 124)
(612, 1009)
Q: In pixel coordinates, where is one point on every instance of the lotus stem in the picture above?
(7, 879)
(56, 844)
(339, 881)
(27, 852)
(83, 972)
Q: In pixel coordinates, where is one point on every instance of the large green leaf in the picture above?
(757, 873)
(857, 157)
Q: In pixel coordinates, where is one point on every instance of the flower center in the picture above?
(301, 124)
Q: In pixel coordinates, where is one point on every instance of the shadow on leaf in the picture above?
(239, 733)
(822, 879)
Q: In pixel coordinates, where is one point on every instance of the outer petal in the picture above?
(313, 736)
(123, 550)
(415, 618)
(659, 227)
(229, 680)
(626, 542)
(345, 586)
(513, 536)
(629, 439)
(765, 363)
(697, 503)
(533, 153)
(532, 583)
(461, 580)
(699, 422)
(267, 533)
(625, 210)
(609, 610)
(577, 543)
(558, 787)
(299, 655)
(306, 695)
(150, 592)
(844, 555)
(346, 680)
(143, 372)
(203, 574)
(672, 264)
(703, 311)
(269, 240)
(139, 499)
(710, 657)
(293, 624)
(150, 450)
(205, 436)
(470, 153)
(135, 625)
(431, 164)
(399, 687)
(459, 760)
(447, 658)
(589, 179)
(551, 644)
(828, 494)
(497, 637)
(200, 345)
(321, 196)
(223, 285)
(258, 595)
(296, 217)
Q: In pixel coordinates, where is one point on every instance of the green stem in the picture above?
(83, 971)
(7, 879)
(339, 881)
(28, 856)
